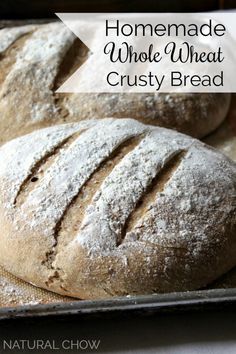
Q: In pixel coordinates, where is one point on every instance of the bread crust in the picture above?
(115, 207)
(44, 56)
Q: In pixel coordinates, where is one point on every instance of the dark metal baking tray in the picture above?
(143, 305)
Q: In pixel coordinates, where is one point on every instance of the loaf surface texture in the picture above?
(36, 59)
(115, 207)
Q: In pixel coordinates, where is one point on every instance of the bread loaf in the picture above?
(115, 207)
(35, 60)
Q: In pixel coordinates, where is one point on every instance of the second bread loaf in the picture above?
(36, 60)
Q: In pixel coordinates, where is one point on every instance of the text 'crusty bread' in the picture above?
(36, 60)
(115, 207)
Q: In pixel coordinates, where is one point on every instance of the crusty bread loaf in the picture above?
(35, 60)
(115, 207)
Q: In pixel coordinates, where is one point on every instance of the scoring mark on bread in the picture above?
(9, 56)
(73, 59)
(149, 196)
(37, 172)
(69, 224)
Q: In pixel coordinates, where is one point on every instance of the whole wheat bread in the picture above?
(37, 59)
(116, 207)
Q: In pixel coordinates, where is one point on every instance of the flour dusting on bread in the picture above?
(116, 207)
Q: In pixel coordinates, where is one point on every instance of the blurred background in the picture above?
(20, 9)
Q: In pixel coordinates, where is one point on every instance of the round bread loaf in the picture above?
(115, 207)
(36, 60)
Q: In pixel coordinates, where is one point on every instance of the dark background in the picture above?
(12, 9)
(182, 333)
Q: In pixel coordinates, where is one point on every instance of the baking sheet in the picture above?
(129, 305)
(15, 292)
